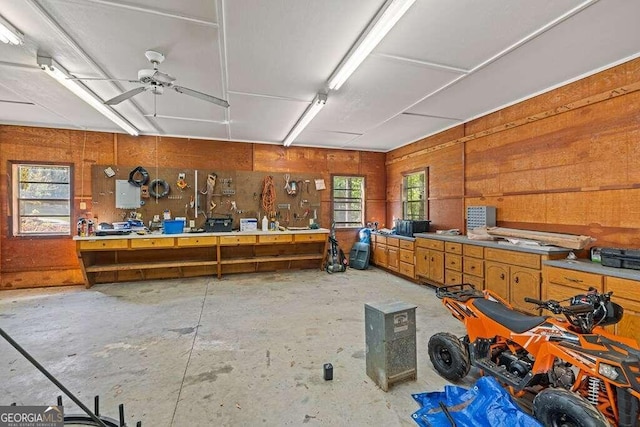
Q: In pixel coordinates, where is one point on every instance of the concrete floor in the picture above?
(244, 350)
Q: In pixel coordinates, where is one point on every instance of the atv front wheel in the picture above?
(557, 407)
(449, 356)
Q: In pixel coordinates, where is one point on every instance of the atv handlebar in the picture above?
(574, 309)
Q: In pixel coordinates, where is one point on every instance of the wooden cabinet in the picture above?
(430, 260)
(452, 263)
(513, 283)
(394, 254)
(473, 265)
(422, 262)
(626, 293)
(407, 258)
(514, 276)
(563, 283)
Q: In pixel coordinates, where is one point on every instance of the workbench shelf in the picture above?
(127, 258)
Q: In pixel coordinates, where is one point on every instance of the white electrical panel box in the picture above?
(127, 195)
(481, 216)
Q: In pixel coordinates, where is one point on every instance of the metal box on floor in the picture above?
(391, 342)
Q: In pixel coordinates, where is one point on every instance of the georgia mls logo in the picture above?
(31, 416)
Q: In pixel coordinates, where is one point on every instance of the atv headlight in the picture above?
(608, 371)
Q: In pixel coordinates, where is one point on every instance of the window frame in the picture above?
(363, 201)
(13, 202)
(425, 198)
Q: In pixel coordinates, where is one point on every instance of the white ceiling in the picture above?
(445, 62)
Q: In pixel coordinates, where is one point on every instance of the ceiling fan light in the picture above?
(318, 103)
(10, 34)
(63, 77)
(377, 30)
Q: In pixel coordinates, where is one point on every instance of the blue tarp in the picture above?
(487, 404)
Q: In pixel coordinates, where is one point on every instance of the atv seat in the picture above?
(514, 321)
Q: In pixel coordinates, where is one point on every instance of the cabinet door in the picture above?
(436, 266)
(525, 282)
(422, 262)
(380, 255)
(629, 326)
(626, 293)
(393, 258)
(497, 279)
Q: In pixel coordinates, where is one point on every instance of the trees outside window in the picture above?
(41, 199)
(414, 198)
(348, 201)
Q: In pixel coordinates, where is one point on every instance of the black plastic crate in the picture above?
(620, 258)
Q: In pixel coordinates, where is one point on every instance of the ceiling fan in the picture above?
(156, 81)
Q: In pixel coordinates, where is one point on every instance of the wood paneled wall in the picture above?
(34, 262)
(564, 161)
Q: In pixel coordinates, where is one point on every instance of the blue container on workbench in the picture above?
(172, 226)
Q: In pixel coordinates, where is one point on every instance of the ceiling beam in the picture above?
(224, 69)
(427, 64)
(159, 12)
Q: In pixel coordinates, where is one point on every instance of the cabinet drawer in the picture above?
(623, 288)
(406, 256)
(452, 262)
(381, 239)
(558, 292)
(407, 269)
(454, 248)
(478, 282)
(473, 251)
(512, 257)
(473, 267)
(197, 241)
(93, 245)
(431, 244)
(309, 237)
(275, 238)
(406, 244)
(574, 279)
(393, 241)
(162, 242)
(237, 240)
(452, 277)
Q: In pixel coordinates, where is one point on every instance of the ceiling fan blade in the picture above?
(126, 95)
(204, 96)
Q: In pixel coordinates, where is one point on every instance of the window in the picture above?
(41, 199)
(414, 204)
(348, 201)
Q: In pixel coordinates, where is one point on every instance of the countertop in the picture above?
(497, 244)
(397, 236)
(594, 267)
(134, 235)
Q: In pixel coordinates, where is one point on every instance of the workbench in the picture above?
(107, 259)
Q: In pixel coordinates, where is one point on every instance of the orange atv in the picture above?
(581, 374)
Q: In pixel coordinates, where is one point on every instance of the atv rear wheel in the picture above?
(557, 407)
(449, 356)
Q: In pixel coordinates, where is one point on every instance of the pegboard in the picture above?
(235, 193)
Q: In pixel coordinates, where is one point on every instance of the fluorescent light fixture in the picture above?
(388, 16)
(63, 77)
(10, 34)
(318, 102)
